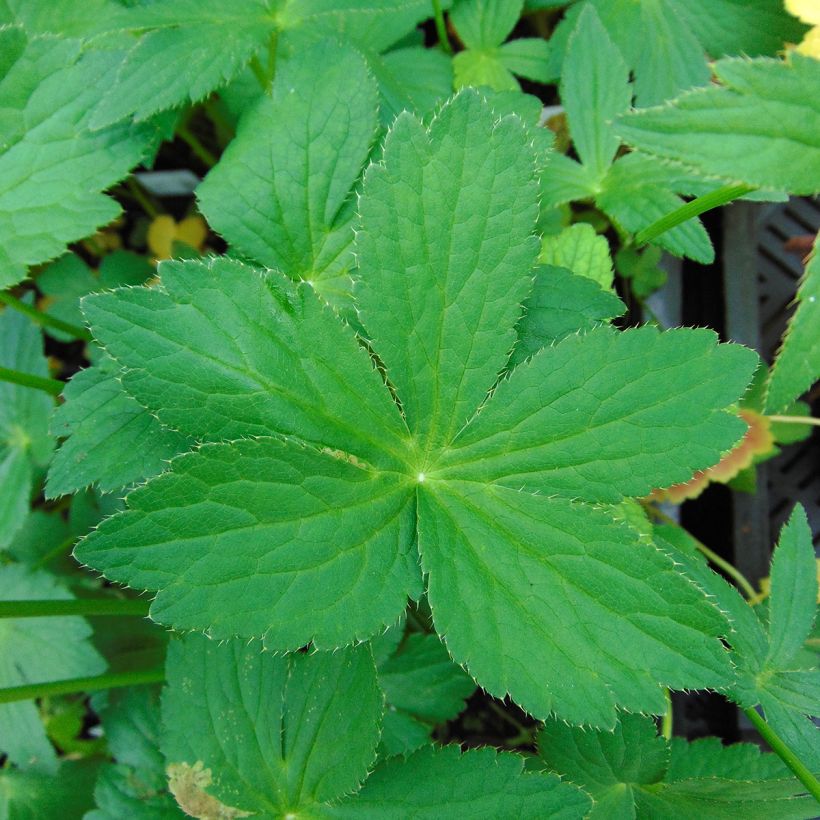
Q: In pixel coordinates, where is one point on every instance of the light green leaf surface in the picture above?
(797, 366)
(477, 69)
(560, 628)
(36, 650)
(589, 418)
(478, 783)
(564, 180)
(760, 127)
(52, 167)
(579, 249)
(110, 440)
(444, 251)
(527, 57)
(633, 773)
(63, 17)
(561, 303)
(25, 445)
(250, 374)
(269, 538)
(483, 24)
(595, 89)
(277, 734)
(282, 193)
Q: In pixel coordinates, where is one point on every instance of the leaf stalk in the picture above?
(73, 606)
(52, 386)
(112, 680)
(44, 319)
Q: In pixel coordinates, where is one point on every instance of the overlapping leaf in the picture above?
(632, 772)
(52, 166)
(309, 532)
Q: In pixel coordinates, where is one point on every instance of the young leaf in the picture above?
(281, 195)
(582, 251)
(760, 127)
(37, 650)
(24, 413)
(110, 440)
(271, 734)
(797, 365)
(485, 24)
(444, 250)
(632, 772)
(53, 168)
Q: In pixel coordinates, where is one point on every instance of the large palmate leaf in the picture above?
(760, 127)
(313, 526)
(797, 366)
(633, 773)
(635, 190)
(25, 445)
(683, 33)
(35, 650)
(248, 731)
(52, 166)
(281, 194)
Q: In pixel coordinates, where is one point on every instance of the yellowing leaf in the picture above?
(165, 230)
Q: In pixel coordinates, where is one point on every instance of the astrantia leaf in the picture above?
(110, 440)
(760, 127)
(477, 783)
(281, 194)
(797, 365)
(52, 166)
(36, 650)
(579, 249)
(633, 773)
(24, 414)
(272, 734)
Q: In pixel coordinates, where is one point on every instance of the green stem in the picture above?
(795, 420)
(735, 574)
(273, 44)
(73, 606)
(52, 386)
(259, 72)
(441, 28)
(666, 720)
(143, 200)
(777, 745)
(44, 319)
(112, 680)
(692, 209)
(55, 552)
(198, 149)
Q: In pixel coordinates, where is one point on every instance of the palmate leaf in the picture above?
(309, 532)
(276, 735)
(281, 194)
(633, 773)
(760, 127)
(53, 168)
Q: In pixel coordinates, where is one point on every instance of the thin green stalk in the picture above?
(441, 28)
(55, 552)
(52, 386)
(73, 606)
(801, 771)
(143, 200)
(112, 680)
(259, 72)
(795, 420)
(666, 720)
(696, 207)
(199, 150)
(44, 319)
(735, 574)
(273, 44)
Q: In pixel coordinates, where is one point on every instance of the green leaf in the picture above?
(485, 24)
(37, 650)
(316, 546)
(527, 57)
(33, 795)
(545, 570)
(440, 281)
(633, 773)
(581, 250)
(52, 167)
(561, 303)
(423, 687)
(25, 445)
(797, 366)
(478, 783)
(281, 194)
(564, 180)
(274, 734)
(110, 440)
(589, 418)
(595, 89)
(759, 127)
(482, 69)
(268, 380)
